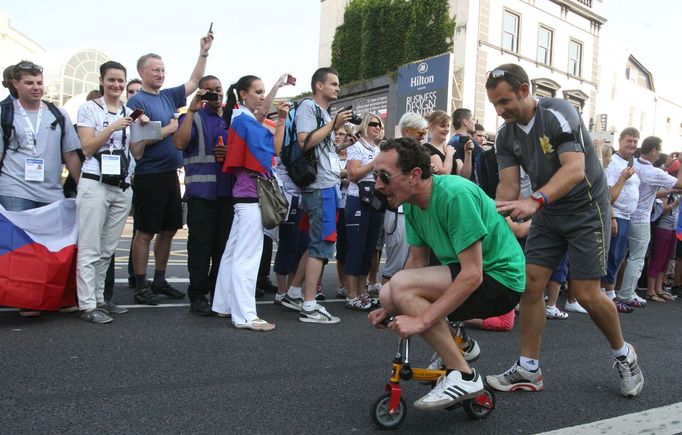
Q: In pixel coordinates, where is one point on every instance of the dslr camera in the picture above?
(355, 119)
(464, 139)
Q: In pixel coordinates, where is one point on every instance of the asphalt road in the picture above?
(163, 370)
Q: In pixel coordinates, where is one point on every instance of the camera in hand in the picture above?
(464, 139)
(210, 96)
(354, 118)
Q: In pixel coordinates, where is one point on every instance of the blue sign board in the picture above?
(423, 86)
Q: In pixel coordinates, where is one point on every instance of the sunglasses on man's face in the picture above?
(384, 176)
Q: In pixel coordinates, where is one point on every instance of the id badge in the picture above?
(111, 164)
(34, 170)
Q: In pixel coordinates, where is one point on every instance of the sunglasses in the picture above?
(500, 73)
(384, 176)
(27, 66)
(373, 124)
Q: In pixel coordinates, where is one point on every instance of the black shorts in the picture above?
(491, 299)
(678, 249)
(158, 206)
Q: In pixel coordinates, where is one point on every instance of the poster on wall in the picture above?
(376, 104)
(423, 86)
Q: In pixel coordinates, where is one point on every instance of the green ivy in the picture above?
(377, 36)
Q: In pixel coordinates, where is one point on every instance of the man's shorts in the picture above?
(321, 208)
(158, 206)
(490, 299)
(585, 234)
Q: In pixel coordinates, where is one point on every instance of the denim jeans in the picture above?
(640, 233)
(12, 203)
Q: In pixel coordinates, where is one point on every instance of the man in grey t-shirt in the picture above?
(570, 211)
(320, 198)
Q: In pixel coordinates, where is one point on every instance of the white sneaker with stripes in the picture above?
(449, 390)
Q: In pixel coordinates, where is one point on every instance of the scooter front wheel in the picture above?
(381, 415)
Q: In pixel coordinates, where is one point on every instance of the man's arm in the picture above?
(317, 136)
(510, 184)
(617, 188)
(184, 132)
(467, 281)
(417, 257)
(198, 72)
(73, 164)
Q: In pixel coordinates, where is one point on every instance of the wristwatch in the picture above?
(540, 198)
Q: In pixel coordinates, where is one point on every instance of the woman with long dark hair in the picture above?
(104, 195)
(250, 149)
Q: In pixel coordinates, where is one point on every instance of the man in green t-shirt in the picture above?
(483, 267)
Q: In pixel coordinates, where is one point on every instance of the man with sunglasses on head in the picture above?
(31, 160)
(570, 212)
(482, 268)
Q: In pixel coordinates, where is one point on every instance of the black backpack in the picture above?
(7, 123)
(301, 165)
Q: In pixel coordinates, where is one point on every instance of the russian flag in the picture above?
(250, 145)
(38, 256)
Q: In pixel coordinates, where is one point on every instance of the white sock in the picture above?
(309, 305)
(611, 294)
(295, 292)
(529, 364)
(622, 352)
(551, 307)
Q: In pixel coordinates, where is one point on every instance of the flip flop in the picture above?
(256, 325)
(665, 296)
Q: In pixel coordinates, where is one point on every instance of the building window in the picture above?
(575, 55)
(545, 37)
(510, 32)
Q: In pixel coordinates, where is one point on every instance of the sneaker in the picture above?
(146, 297)
(555, 313)
(319, 296)
(200, 307)
(631, 378)
(132, 284)
(640, 299)
(634, 303)
(68, 310)
(621, 307)
(449, 390)
(341, 292)
(292, 303)
(166, 289)
(374, 302)
(278, 298)
(373, 289)
(667, 295)
(318, 315)
(109, 307)
(574, 307)
(516, 378)
(357, 304)
(96, 316)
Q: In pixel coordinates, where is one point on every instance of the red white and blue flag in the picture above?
(250, 145)
(38, 257)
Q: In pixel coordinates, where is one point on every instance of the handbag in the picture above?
(273, 203)
(366, 192)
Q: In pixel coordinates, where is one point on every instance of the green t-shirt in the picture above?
(459, 214)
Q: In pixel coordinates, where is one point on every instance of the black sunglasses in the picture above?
(384, 176)
(373, 124)
(28, 66)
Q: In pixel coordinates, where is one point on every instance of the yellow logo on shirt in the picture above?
(547, 147)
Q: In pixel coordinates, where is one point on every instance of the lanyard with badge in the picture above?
(34, 168)
(110, 163)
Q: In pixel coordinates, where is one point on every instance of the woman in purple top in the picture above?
(250, 149)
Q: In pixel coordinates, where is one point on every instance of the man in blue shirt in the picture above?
(158, 206)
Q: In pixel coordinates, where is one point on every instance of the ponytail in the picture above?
(243, 84)
(230, 104)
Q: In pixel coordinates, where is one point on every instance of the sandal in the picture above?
(256, 325)
(665, 296)
(654, 297)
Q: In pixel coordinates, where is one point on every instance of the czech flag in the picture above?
(250, 145)
(38, 257)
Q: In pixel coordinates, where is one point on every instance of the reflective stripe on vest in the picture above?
(200, 179)
(201, 157)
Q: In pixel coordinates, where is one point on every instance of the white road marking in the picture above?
(660, 421)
